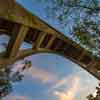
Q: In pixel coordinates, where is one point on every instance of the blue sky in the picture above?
(51, 77)
(38, 8)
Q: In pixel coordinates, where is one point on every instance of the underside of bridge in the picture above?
(21, 26)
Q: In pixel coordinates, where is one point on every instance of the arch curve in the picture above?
(49, 42)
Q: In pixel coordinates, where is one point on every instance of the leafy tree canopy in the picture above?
(8, 77)
(81, 17)
(97, 97)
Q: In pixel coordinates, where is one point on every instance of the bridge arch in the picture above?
(45, 41)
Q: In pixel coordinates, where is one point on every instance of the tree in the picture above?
(97, 97)
(7, 77)
(80, 18)
(90, 97)
(5, 84)
(87, 32)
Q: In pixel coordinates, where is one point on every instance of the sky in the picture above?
(51, 76)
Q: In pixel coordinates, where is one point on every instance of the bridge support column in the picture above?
(50, 42)
(16, 40)
(39, 41)
(24, 53)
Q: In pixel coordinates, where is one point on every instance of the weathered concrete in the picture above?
(43, 37)
(12, 11)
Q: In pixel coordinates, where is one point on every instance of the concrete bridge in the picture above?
(21, 26)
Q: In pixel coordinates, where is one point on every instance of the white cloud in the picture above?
(15, 97)
(64, 82)
(36, 73)
(79, 82)
(70, 93)
(87, 83)
(40, 74)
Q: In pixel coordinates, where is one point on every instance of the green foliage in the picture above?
(97, 97)
(8, 77)
(83, 16)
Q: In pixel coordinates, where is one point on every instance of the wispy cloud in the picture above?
(40, 74)
(63, 88)
(15, 97)
(85, 87)
(70, 93)
(36, 73)
(60, 82)
(46, 77)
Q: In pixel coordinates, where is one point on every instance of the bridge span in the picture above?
(22, 26)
